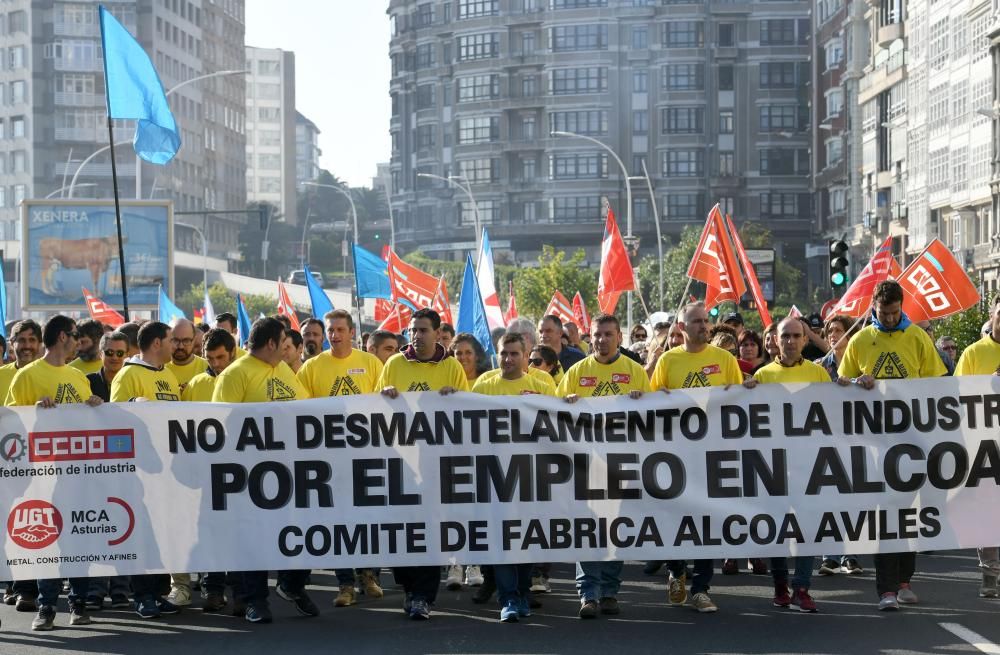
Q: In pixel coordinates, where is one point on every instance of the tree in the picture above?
(965, 327)
(282, 238)
(534, 286)
(224, 300)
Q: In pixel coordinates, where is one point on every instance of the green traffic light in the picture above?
(838, 279)
(713, 312)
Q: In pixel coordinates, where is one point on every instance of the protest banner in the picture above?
(429, 479)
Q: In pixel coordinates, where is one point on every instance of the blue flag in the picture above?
(134, 91)
(168, 310)
(371, 274)
(472, 313)
(317, 297)
(242, 321)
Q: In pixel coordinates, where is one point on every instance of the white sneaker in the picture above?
(454, 580)
(473, 576)
(905, 595)
(540, 585)
(179, 596)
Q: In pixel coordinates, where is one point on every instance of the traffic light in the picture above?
(378, 236)
(714, 313)
(838, 266)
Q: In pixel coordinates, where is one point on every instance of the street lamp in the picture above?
(62, 188)
(628, 201)
(204, 250)
(305, 226)
(76, 174)
(467, 190)
(350, 199)
(656, 222)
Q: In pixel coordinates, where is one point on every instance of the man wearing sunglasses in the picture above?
(184, 363)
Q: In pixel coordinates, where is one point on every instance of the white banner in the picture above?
(425, 479)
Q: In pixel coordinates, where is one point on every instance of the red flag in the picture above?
(935, 286)
(857, 300)
(397, 320)
(560, 307)
(382, 309)
(199, 315)
(580, 314)
(101, 311)
(286, 308)
(441, 303)
(715, 265)
(794, 312)
(410, 283)
(511, 303)
(616, 269)
(750, 273)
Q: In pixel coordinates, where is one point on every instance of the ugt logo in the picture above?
(34, 524)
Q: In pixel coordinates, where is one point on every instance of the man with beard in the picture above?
(312, 338)
(184, 364)
(88, 353)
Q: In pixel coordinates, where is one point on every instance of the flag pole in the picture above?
(118, 219)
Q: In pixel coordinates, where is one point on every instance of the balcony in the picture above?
(79, 99)
(889, 33)
(62, 28)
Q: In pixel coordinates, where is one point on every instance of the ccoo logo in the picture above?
(34, 524)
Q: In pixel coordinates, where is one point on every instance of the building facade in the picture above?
(270, 152)
(307, 150)
(714, 99)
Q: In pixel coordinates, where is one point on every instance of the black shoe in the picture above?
(484, 592)
(46, 617)
(26, 603)
(215, 603)
(78, 615)
(120, 602)
(303, 604)
(239, 607)
(9, 597)
(94, 603)
(258, 613)
(166, 607)
(652, 568)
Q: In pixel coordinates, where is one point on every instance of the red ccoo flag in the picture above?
(857, 300)
(935, 286)
(286, 308)
(382, 309)
(751, 274)
(580, 314)
(616, 269)
(410, 283)
(560, 307)
(101, 311)
(511, 303)
(397, 320)
(715, 265)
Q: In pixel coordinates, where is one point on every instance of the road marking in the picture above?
(978, 641)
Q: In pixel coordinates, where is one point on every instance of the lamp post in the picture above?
(204, 250)
(467, 190)
(628, 200)
(305, 227)
(350, 199)
(63, 188)
(656, 222)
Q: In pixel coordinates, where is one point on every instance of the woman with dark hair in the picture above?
(470, 355)
(638, 334)
(751, 349)
(546, 359)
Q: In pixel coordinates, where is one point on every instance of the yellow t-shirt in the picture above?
(252, 380)
(712, 367)
(898, 355)
(496, 385)
(238, 352)
(538, 374)
(199, 389)
(38, 379)
(6, 375)
(187, 371)
(980, 358)
(139, 380)
(804, 371)
(87, 367)
(326, 375)
(588, 377)
(407, 375)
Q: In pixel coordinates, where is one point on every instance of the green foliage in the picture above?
(534, 286)
(224, 300)
(964, 327)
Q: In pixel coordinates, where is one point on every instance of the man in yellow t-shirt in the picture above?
(983, 358)
(790, 367)
(262, 377)
(184, 363)
(48, 382)
(513, 581)
(695, 363)
(88, 353)
(26, 341)
(227, 321)
(312, 338)
(424, 365)
(220, 351)
(605, 372)
(343, 371)
(891, 348)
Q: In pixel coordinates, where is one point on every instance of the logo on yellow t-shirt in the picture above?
(607, 389)
(163, 391)
(419, 386)
(344, 387)
(66, 393)
(889, 367)
(695, 379)
(278, 390)
(624, 378)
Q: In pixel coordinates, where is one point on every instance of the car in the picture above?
(299, 277)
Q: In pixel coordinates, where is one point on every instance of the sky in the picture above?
(341, 74)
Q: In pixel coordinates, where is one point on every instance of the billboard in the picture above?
(67, 245)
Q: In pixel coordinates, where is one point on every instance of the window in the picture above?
(684, 77)
(568, 38)
(575, 209)
(683, 163)
(268, 114)
(269, 137)
(488, 212)
(777, 31)
(937, 107)
(17, 92)
(640, 121)
(726, 121)
(528, 128)
(784, 161)
(17, 21)
(528, 43)
(834, 102)
(18, 161)
(684, 207)
(959, 102)
(529, 86)
(577, 166)
(725, 77)
(727, 38)
(479, 171)
(478, 87)
(268, 90)
(425, 137)
(268, 162)
(727, 163)
(684, 34)
(75, 84)
(482, 129)
(783, 118)
(425, 14)
(833, 53)
(834, 150)
(640, 37)
(578, 4)
(17, 127)
(785, 205)
(591, 123)
(959, 169)
(425, 96)
(640, 81)
(565, 81)
(15, 57)
(265, 67)
(19, 191)
(424, 56)
(269, 185)
(478, 46)
(683, 120)
(777, 75)
(938, 44)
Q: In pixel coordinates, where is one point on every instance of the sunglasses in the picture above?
(75, 334)
(114, 353)
(536, 361)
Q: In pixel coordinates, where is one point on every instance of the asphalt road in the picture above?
(950, 618)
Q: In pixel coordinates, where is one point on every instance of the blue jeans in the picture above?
(803, 571)
(595, 580)
(114, 586)
(702, 579)
(48, 591)
(513, 581)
